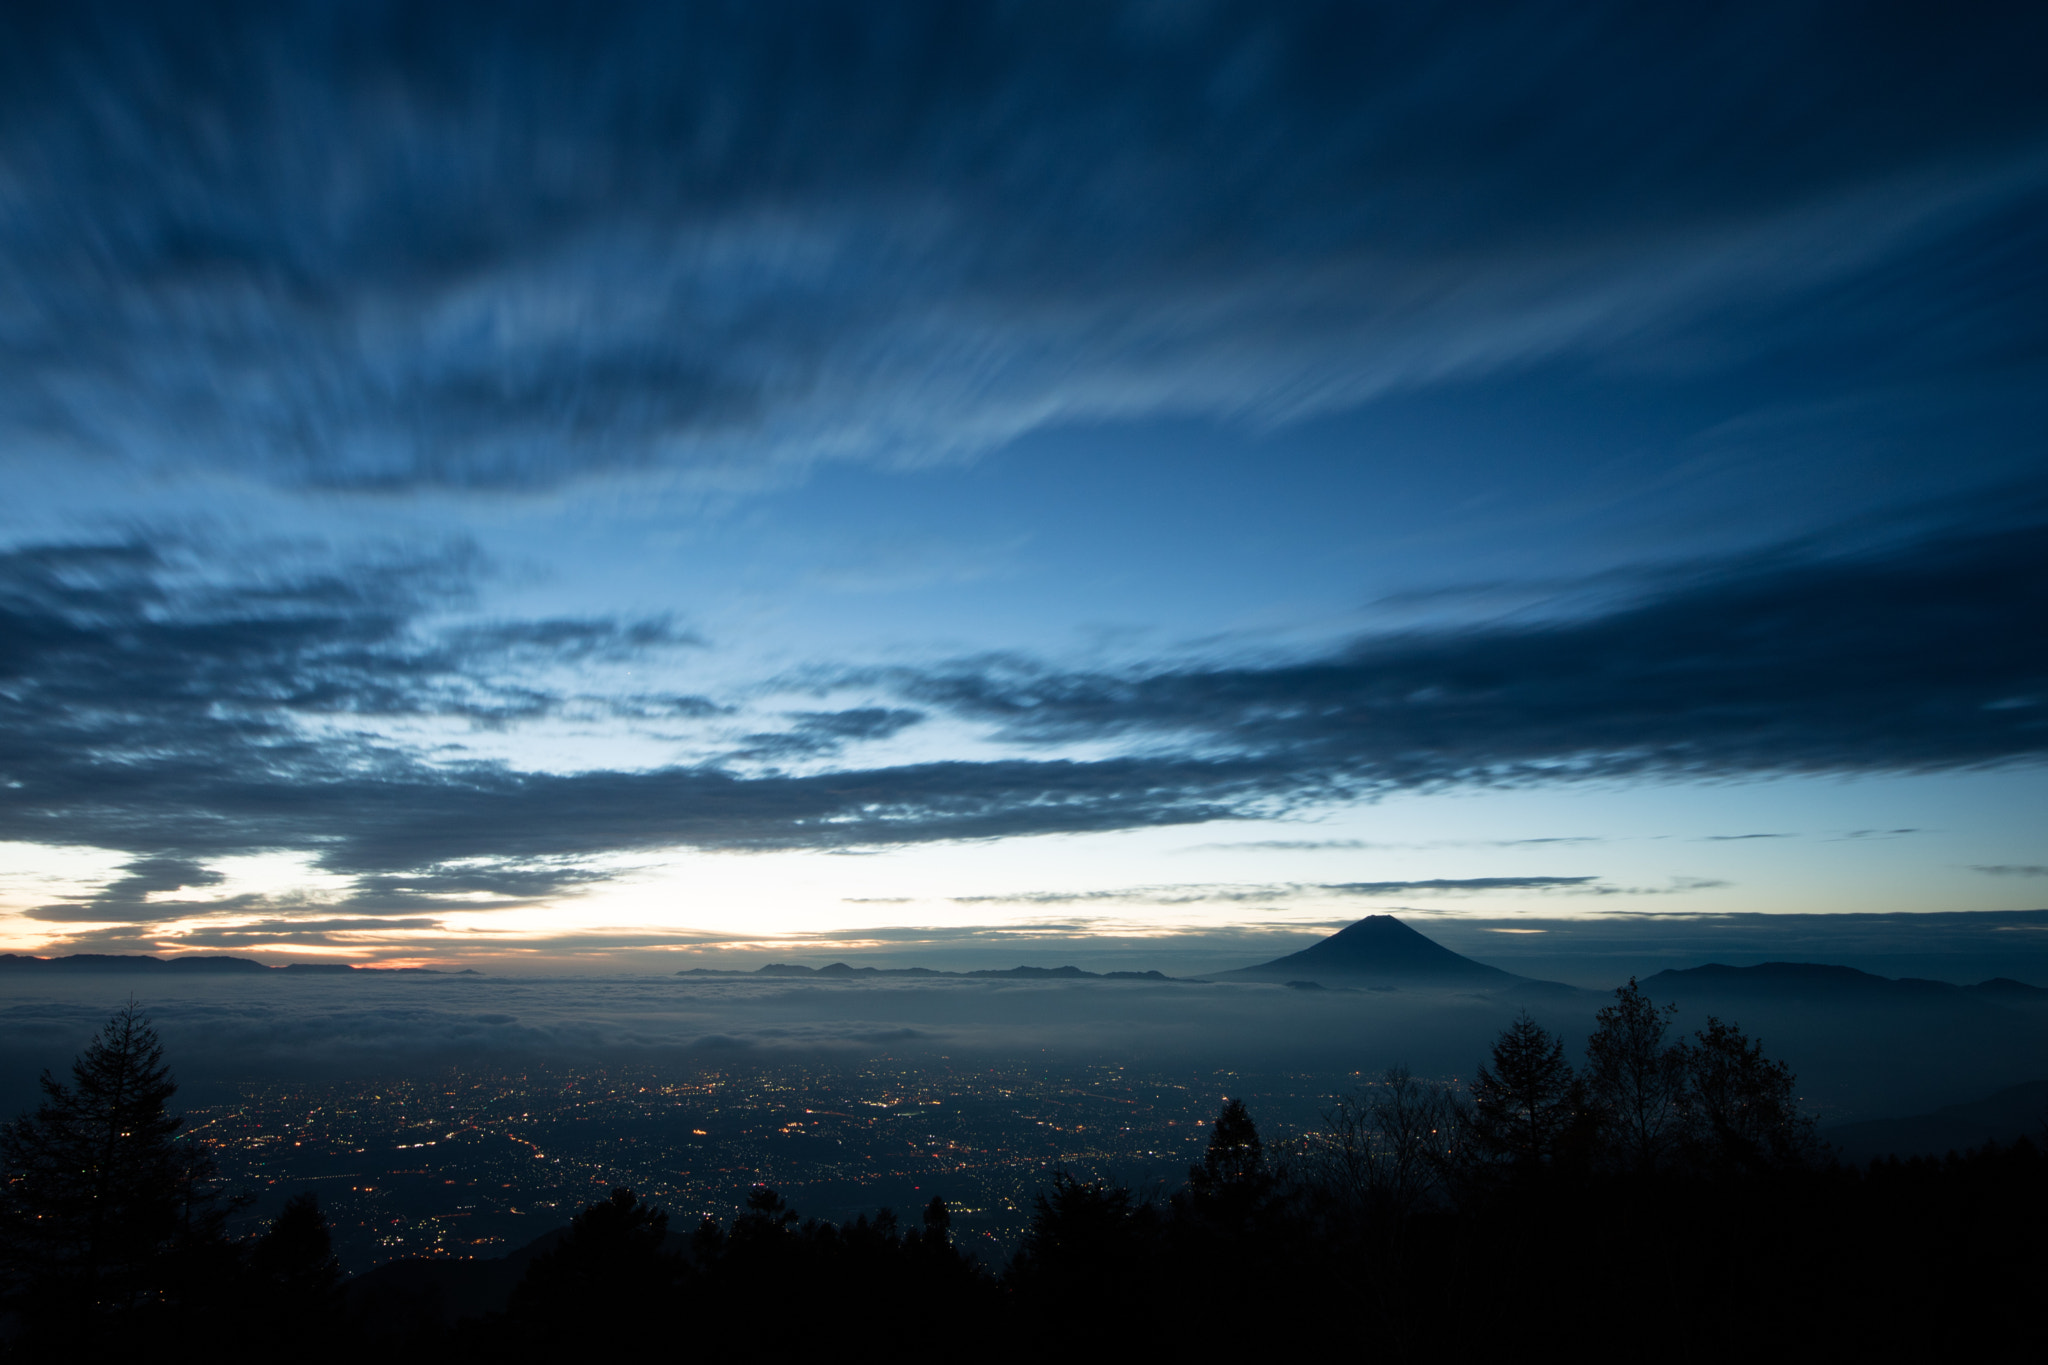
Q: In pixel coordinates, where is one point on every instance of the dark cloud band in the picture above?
(1919, 657)
(170, 718)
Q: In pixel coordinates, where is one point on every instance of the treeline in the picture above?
(1664, 1194)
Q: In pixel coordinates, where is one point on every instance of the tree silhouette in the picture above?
(612, 1252)
(1525, 1101)
(1088, 1250)
(99, 1196)
(938, 1229)
(1385, 1149)
(1634, 1082)
(788, 1285)
(294, 1260)
(292, 1301)
(1739, 1112)
(1235, 1159)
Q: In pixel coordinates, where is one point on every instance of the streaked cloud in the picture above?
(508, 272)
(376, 248)
(1186, 894)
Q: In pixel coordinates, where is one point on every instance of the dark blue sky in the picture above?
(558, 480)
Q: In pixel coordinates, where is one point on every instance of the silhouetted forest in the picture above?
(1664, 1194)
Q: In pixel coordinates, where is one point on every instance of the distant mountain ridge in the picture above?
(2008, 1114)
(1824, 981)
(127, 964)
(843, 971)
(1380, 950)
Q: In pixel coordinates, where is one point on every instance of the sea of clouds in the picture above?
(1854, 1062)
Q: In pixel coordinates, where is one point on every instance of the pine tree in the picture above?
(613, 1253)
(1526, 1100)
(1236, 1158)
(938, 1229)
(99, 1195)
(294, 1261)
(1232, 1191)
(289, 1300)
(1089, 1246)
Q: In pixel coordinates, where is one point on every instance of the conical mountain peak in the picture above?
(1378, 948)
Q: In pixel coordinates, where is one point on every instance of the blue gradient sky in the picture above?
(659, 484)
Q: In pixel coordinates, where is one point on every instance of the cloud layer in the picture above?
(1915, 657)
(372, 246)
(181, 716)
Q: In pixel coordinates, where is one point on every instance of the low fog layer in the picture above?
(1855, 1060)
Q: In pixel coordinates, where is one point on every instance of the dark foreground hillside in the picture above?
(1664, 1194)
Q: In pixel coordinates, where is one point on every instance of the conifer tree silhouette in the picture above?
(1085, 1241)
(1235, 1158)
(291, 1300)
(99, 1196)
(1523, 1103)
(612, 1252)
(294, 1261)
(938, 1227)
(1228, 1194)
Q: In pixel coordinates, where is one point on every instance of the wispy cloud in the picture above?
(1356, 845)
(376, 247)
(1190, 894)
(1917, 656)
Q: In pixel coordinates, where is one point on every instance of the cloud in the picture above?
(127, 898)
(159, 705)
(820, 734)
(2011, 869)
(1919, 656)
(1461, 884)
(1350, 845)
(491, 884)
(368, 246)
(303, 933)
(567, 639)
(137, 644)
(1191, 894)
(1291, 845)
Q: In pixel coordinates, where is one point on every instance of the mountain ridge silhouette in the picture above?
(194, 963)
(1828, 981)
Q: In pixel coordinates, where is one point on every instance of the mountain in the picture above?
(2017, 1111)
(129, 965)
(111, 963)
(1822, 982)
(1379, 950)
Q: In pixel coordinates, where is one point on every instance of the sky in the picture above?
(615, 486)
